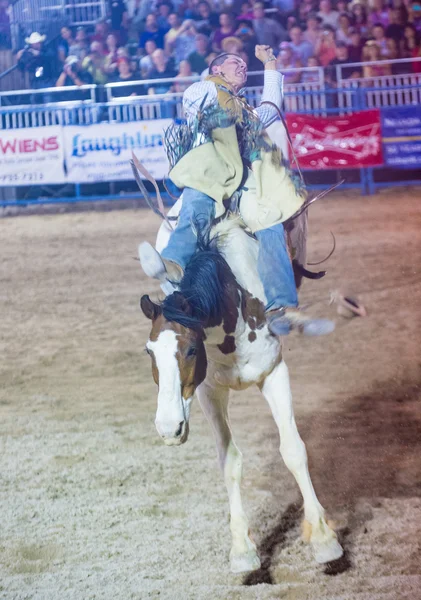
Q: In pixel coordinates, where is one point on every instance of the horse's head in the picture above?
(178, 365)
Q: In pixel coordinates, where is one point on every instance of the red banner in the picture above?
(347, 142)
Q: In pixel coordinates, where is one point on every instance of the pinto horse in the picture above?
(211, 336)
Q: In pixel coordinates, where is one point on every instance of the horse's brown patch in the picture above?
(253, 311)
(252, 336)
(192, 367)
(232, 309)
(228, 345)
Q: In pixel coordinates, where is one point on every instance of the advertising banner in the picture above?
(401, 132)
(31, 156)
(348, 142)
(102, 152)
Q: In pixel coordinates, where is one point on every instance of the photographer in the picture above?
(35, 60)
(72, 74)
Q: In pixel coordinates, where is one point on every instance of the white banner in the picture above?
(102, 152)
(31, 156)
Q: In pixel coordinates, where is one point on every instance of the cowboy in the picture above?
(223, 134)
(36, 61)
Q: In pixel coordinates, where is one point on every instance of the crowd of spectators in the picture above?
(152, 40)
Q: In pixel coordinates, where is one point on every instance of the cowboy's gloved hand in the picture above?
(263, 53)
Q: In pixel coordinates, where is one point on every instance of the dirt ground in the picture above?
(94, 506)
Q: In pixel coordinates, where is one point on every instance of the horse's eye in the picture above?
(148, 351)
(191, 352)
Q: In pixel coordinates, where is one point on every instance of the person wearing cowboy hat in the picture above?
(36, 61)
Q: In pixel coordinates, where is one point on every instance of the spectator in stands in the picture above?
(145, 63)
(226, 29)
(197, 59)
(162, 69)
(398, 68)
(300, 47)
(356, 46)
(5, 32)
(125, 75)
(342, 59)
(206, 20)
(184, 70)
(410, 42)
(245, 33)
(313, 32)
(246, 12)
(327, 14)
(110, 63)
(152, 32)
(311, 76)
(164, 11)
(137, 11)
(359, 14)
(119, 18)
(174, 31)
(304, 10)
(414, 14)
(378, 13)
(37, 61)
(344, 31)
(287, 60)
(65, 41)
(326, 48)
(73, 74)
(185, 42)
(377, 32)
(232, 45)
(80, 47)
(371, 54)
(268, 32)
(94, 64)
(395, 29)
(342, 7)
(101, 32)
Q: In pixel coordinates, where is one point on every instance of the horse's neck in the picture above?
(244, 300)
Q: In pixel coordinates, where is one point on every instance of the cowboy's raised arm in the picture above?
(272, 87)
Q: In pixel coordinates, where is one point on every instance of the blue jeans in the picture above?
(273, 263)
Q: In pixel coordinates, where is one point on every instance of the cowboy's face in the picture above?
(36, 47)
(233, 70)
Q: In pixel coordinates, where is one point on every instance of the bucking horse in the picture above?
(210, 336)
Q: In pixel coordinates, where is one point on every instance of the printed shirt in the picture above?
(272, 92)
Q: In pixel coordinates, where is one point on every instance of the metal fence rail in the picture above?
(47, 16)
(78, 12)
(322, 101)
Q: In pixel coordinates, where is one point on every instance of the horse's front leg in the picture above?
(214, 402)
(277, 391)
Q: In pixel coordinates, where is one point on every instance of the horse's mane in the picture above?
(204, 286)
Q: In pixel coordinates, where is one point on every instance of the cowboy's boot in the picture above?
(166, 271)
(283, 320)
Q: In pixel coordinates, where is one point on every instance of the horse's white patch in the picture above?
(240, 251)
(172, 409)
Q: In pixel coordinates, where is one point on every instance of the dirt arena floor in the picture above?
(94, 506)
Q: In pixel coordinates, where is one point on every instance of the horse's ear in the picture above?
(149, 308)
(181, 302)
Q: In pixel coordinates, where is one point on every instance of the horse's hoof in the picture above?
(244, 563)
(324, 553)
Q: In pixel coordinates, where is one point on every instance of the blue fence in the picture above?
(314, 99)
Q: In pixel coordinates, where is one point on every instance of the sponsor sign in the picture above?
(31, 156)
(401, 133)
(347, 142)
(102, 152)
